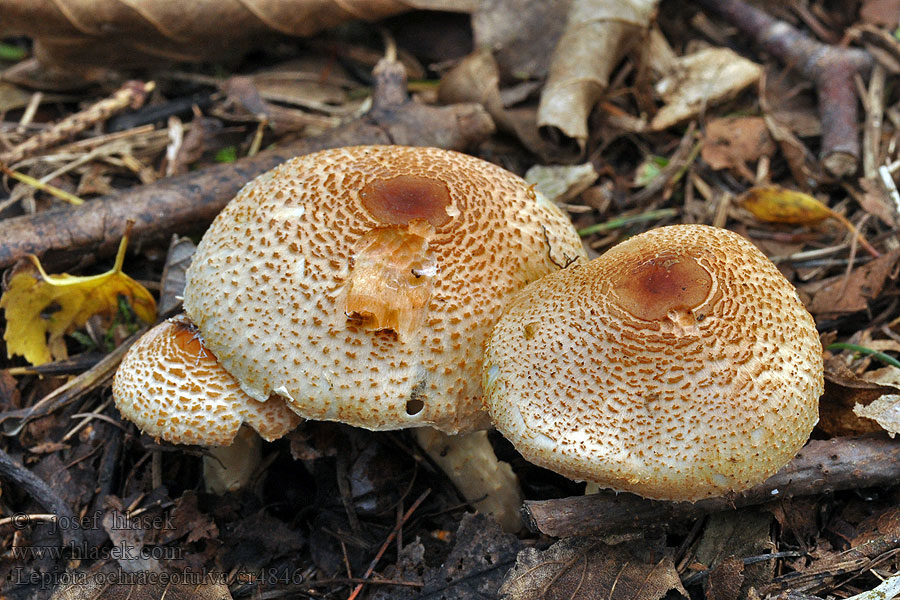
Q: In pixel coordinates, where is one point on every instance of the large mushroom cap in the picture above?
(678, 365)
(172, 388)
(361, 283)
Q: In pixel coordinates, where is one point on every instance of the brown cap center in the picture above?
(652, 289)
(405, 198)
(186, 338)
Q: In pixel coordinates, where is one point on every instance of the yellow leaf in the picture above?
(778, 205)
(41, 308)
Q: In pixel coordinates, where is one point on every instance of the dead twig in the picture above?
(822, 466)
(187, 203)
(14, 473)
(387, 542)
(831, 68)
(131, 95)
(12, 421)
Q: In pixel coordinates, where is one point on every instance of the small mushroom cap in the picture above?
(361, 283)
(172, 388)
(678, 365)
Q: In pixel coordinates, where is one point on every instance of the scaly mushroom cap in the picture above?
(172, 387)
(678, 365)
(361, 283)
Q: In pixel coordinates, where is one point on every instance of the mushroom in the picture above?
(173, 388)
(360, 285)
(679, 365)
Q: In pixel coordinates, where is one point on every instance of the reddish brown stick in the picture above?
(822, 466)
(185, 204)
(831, 68)
(387, 542)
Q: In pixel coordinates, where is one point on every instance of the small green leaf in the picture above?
(12, 53)
(228, 154)
(650, 169)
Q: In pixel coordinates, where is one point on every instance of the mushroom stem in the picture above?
(485, 482)
(591, 488)
(229, 468)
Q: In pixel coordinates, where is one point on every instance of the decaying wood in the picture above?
(831, 68)
(187, 203)
(822, 466)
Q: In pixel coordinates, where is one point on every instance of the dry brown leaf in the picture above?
(598, 34)
(521, 34)
(178, 259)
(586, 568)
(799, 159)
(874, 201)
(474, 568)
(41, 308)
(702, 79)
(880, 12)
(725, 580)
(477, 79)
(885, 411)
(888, 375)
(727, 538)
(840, 295)
(76, 33)
(561, 183)
(13, 97)
(843, 392)
(733, 142)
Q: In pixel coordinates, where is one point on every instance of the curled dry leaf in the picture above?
(844, 391)
(561, 183)
(885, 411)
(41, 308)
(598, 34)
(585, 567)
(699, 80)
(521, 34)
(477, 79)
(77, 33)
(178, 259)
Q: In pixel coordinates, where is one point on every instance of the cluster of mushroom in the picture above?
(362, 285)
